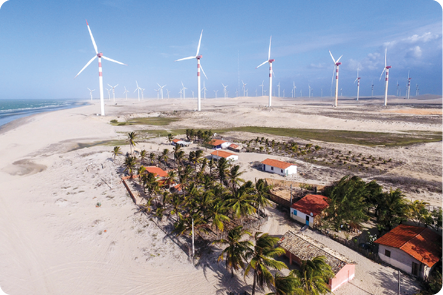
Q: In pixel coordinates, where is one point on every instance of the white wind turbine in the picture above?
(167, 91)
(386, 68)
(294, 88)
(192, 91)
(184, 91)
(100, 75)
(244, 88)
(141, 90)
(309, 92)
(113, 91)
(270, 61)
(409, 86)
(158, 92)
(90, 92)
(109, 93)
(138, 91)
(262, 84)
(198, 57)
(161, 90)
(337, 64)
(204, 90)
(224, 90)
(215, 93)
(278, 86)
(358, 84)
(126, 93)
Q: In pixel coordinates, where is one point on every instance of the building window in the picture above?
(295, 212)
(272, 168)
(414, 269)
(387, 253)
(281, 170)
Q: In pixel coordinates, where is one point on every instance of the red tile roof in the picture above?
(176, 140)
(158, 172)
(420, 242)
(277, 163)
(311, 203)
(216, 142)
(222, 154)
(233, 146)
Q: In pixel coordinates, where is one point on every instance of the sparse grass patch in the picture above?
(157, 121)
(96, 143)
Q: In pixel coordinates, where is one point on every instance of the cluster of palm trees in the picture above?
(352, 199)
(258, 259)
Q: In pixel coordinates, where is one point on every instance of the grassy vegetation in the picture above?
(162, 133)
(96, 143)
(157, 121)
(343, 136)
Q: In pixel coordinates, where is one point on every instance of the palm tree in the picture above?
(116, 151)
(234, 177)
(242, 201)
(418, 210)
(314, 276)
(393, 209)
(152, 157)
(131, 140)
(170, 137)
(262, 259)
(236, 251)
(143, 155)
(286, 285)
(129, 164)
(222, 167)
(165, 156)
(262, 192)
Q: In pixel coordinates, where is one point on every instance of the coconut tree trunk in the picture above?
(253, 283)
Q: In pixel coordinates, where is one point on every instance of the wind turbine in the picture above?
(192, 93)
(224, 90)
(294, 88)
(183, 91)
(198, 57)
(109, 93)
(416, 90)
(113, 91)
(161, 90)
(278, 85)
(158, 91)
(167, 91)
(244, 88)
(372, 89)
(284, 93)
(100, 75)
(215, 93)
(386, 68)
(409, 86)
(142, 90)
(358, 84)
(337, 64)
(126, 93)
(204, 90)
(270, 61)
(398, 85)
(262, 84)
(90, 92)
(309, 95)
(138, 90)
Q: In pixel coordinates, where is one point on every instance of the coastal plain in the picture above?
(55, 167)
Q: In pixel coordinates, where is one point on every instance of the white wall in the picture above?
(225, 145)
(290, 170)
(400, 259)
(301, 217)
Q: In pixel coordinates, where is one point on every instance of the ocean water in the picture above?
(12, 109)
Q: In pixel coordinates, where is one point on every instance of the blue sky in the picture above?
(46, 43)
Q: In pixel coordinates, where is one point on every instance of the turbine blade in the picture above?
(332, 56)
(136, 83)
(190, 57)
(158, 85)
(262, 64)
(203, 71)
(86, 66)
(92, 38)
(109, 85)
(386, 51)
(382, 73)
(199, 42)
(107, 58)
(355, 80)
(269, 52)
(339, 58)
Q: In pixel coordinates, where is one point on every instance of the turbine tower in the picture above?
(278, 86)
(215, 93)
(90, 92)
(262, 84)
(358, 84)
(167, 91)
(270, 61)
(309, 95)
(372, 89)
(109, 93)
(100, 76)
(409, 86)
(126, 93)
(244, 88)
(224, 90)
(294, 88)
(398, 85)
(183, 91)
(161, 90)
(138, 90)
(113, 91)
(416, 90)
(158, 91)
(386, 68)
(337, 64)
(198, 57)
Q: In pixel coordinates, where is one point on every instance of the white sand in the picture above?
(52, 238)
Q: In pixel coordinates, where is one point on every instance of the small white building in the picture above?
(410, 248)
(308, 210)
(222, 154)
(180, 142)
(279, 167)
(219, 144)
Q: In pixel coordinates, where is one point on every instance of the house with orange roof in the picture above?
(279, 167)
(410, 248)
(158, 172)
(219, 144)
(234, 147)
(308, 210)
(216, 155)
(180, 142)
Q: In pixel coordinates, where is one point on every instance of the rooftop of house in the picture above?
(306, 248)
(277, 163)
(222, 154)
(233, 146)
(158, 172)
(176, 140)
(420, 242)
(216, 142)
(314, 204)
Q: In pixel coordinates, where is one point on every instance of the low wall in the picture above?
(128, 189)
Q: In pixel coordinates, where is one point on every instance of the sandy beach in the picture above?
(54, 240)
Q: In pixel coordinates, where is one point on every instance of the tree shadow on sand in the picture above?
(388, 282)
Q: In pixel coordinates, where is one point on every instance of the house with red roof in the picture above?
(279, 167)
(180, 142)
(219, 144)
(410, 248)
(308, 210)
(234, 147)
(158, 172)
(216, 155)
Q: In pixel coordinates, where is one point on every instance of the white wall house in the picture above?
(308, 209)
(219, 144)
(222, 154)
(412, 249)
(302, 217)
(279, 167)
